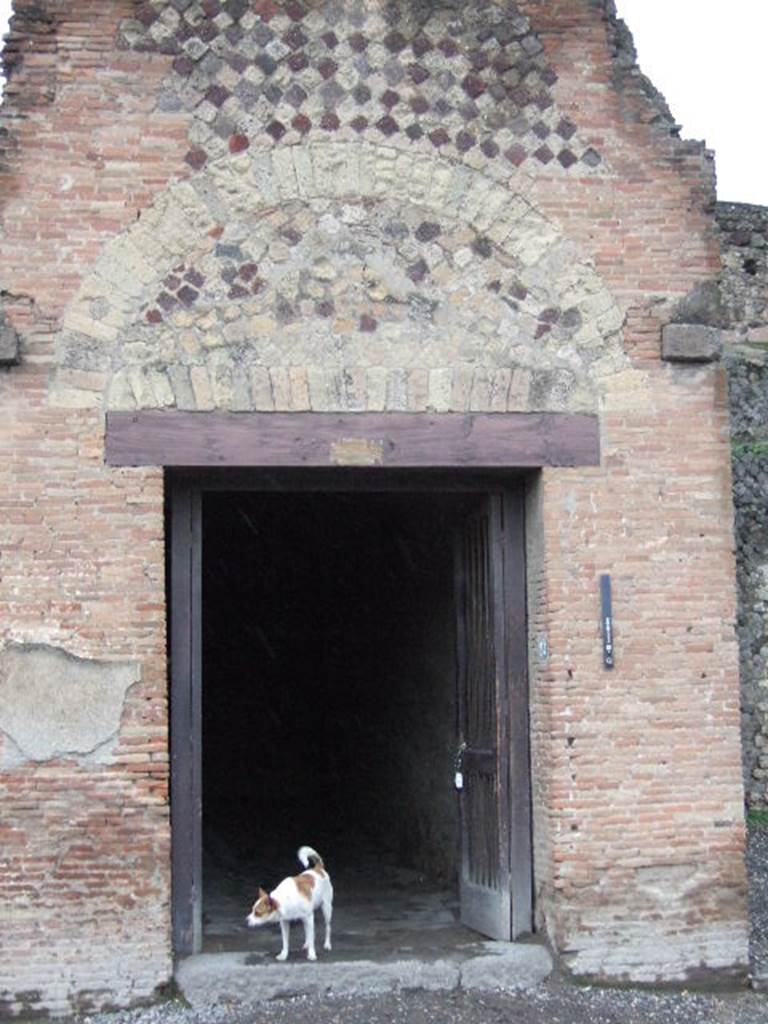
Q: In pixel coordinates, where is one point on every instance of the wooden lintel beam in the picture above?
(393, 440)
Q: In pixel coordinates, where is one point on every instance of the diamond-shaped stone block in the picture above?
(470, 78)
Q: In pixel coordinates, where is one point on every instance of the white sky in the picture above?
(709, 61)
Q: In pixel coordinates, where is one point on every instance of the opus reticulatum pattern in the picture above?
(469, 80)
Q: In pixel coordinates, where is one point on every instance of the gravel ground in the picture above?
(556, 1002)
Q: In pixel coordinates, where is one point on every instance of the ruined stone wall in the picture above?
(745, 299)
(362, 206)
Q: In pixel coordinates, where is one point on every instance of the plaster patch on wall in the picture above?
(644, 952)
(666, 882)
(53, 704)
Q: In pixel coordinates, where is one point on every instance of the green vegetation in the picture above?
(758, 448)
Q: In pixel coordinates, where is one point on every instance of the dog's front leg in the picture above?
(285, 931)
(309, 936)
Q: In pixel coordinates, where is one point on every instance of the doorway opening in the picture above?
(329, 712)
(343, 656)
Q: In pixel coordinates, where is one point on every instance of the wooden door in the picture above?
(492, 759)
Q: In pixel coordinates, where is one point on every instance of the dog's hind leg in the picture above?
(327, 915)
(285, 931)
(309, 936)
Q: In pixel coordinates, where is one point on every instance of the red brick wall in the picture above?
(84, 861)
(637, 768)
(636, 771)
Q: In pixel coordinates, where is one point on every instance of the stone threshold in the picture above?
(209, 979)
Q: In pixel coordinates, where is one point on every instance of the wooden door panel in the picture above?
(485, 870)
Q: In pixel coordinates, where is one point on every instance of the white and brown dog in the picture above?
(297, 899)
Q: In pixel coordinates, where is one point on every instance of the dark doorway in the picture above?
(329, 687)
(323, 703)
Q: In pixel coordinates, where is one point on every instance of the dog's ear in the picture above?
(272, 903)
(263, 895)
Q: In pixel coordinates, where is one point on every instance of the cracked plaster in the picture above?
(53, 705)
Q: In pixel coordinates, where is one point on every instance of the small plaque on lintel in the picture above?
(357, 451)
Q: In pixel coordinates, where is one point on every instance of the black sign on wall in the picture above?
(606, 620)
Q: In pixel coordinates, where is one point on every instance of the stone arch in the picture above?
(340, 276)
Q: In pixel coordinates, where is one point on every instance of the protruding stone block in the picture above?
(690, 343)
(9, 345)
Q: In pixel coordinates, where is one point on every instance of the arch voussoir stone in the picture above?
(507, 315)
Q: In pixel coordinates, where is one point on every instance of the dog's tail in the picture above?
(310, 858)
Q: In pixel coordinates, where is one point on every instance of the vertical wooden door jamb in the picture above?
(186, 761)
(520, 836)
(460, 598)
(500, 539)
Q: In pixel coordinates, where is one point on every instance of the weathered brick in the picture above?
(539, 291)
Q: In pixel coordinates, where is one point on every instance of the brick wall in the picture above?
(85, 846)
(631, 788)
(434, 218)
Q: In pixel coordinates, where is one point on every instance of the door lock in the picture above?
(458, 775)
